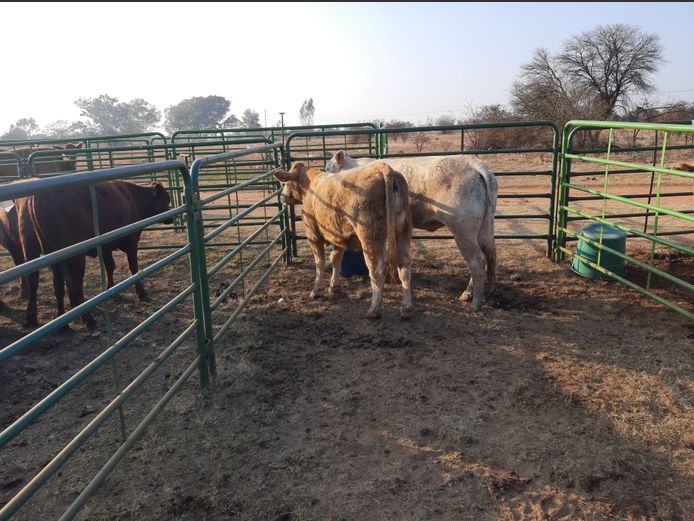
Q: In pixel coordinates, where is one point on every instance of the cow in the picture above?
(64, 160)
(64, 217)
(453, 191)
(9, 232)
(366, 208)
(684, 167)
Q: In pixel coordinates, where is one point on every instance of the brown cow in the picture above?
(363, 208)
(64, 217)
(684, 167)
(9, 232)
(64, 160)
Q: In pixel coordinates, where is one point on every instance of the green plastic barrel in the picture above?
(612, 238)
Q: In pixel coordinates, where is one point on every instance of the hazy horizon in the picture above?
(357, 61)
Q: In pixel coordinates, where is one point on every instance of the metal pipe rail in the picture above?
(274, 131)
(88, 141)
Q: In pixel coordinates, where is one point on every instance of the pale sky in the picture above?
(357, 61)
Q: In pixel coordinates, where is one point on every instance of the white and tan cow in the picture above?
(365, 208)
(453, 191)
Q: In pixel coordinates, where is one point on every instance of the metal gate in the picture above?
(658, 220)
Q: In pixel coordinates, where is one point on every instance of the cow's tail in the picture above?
(486, 235)
(397, 213)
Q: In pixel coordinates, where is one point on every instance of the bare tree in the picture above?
(613, 61)
(396, 123)
(307, 111)
(421, 139)
(594, 76)
(445, 120)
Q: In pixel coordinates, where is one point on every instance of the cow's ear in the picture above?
(157, 189)
(339, 158)
(284, 176)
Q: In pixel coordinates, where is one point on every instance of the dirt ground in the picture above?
(564, 398)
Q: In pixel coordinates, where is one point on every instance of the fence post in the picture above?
(201, 300)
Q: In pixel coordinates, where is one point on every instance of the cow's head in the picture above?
(294, 183)
(160, 200)
(70, 159)
(336, 163)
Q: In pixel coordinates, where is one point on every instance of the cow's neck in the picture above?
(140, 194)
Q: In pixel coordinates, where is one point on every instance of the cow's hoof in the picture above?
(466, 296)
(314, 294)
(65, 329)
(30, 322)
(474, 306)
(144, 297)
(373, 315)
(406, 313)
(90, 323)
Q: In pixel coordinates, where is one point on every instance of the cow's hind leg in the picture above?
(75, 286)
(110, 266)
(133, 265)
(471, 250)
(376, 263)
(30, 251)
(336, 261)
(404, 273)
(59, 291)
(319, 256)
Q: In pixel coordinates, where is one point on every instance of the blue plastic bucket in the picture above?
(352, 263)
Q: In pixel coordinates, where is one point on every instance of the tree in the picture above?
(594, 76)
(613, 61)
(396, 123)
(421, 139)
(63, 129)
(196, 113)
(231, 122)
(250, 119)
(110, 117)
(306, 112)
(445, 121)
(23, 128)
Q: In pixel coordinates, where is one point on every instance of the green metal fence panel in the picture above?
(192, 330)
(146, 138)
(11, 166)
(650, 200)
(539, 139)
(253, 230)
(239, 266)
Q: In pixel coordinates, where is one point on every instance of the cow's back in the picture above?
(341, 202)
(442, 187)
(64, 217)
